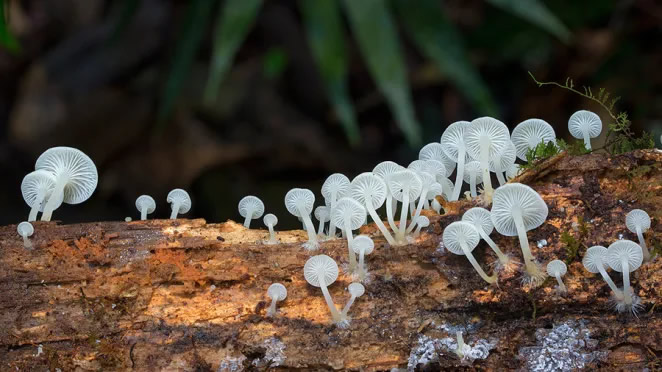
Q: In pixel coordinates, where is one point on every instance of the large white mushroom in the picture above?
(585, 125)
(300, 202)
(485, 139)
(370, 190)
(529, 134)
(453, 142)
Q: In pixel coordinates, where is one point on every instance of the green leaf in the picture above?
(195, 24)
(323, 24)
(378, 42)
(233, 22)
(7, 39)
(437, 38)
(536, 12)
(274, 62)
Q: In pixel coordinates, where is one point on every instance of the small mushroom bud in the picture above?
(639, 222)
(557, 269)
(461, 238)
(180, 202)
(322, 214)
(355, 290)
(270, 220)
(145, 205)
(250, 207)
(421, 222)
(321, 271)
(25, 230)
(277, 292)
(362, 245)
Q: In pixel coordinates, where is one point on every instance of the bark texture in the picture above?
(190, 295)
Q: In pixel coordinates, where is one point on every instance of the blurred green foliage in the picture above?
(7, 39)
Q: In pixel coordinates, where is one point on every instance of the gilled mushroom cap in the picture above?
(506, 158)
(533, 208)
(435, 151)
(472, 167)
(182, 197)
(39, 181)
(386, 168)
(363, 242)
(356, 289)
(351, 209)
(479, 217)
(320, 265)
(303, 197)
(369, 186)
(637, 218)
(529, 133)
(457, 230)
(446, 187)
(397, 181)
(595, 257)
(584, 120)
(490, 128)
(556, 267)
(423, 221)
(146, 201)
(322, 213)
(270, 219)
(338, 183)
(253, 204)
(627, 249)
(78, 167)
(277, 291)
(453, 138)
(512, 171)
(437, 168)
(25, 228)
(433, 190)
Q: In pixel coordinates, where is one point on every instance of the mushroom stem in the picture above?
(436, 206)
(587, 138)
(310, 228)
(272, 234)
(531, 268)
(362, 265)
(320, 227)
(389, 211)
(26, 242)
(403, 213)
(484, 164)
(642, 243)
(419, 207)
(499, 172)
(418, 230)
(247, 219)
(175, 209)
(272, 307)
(378, 222)
(627, 294)
(332, 227)
(474, 263)
(459, 173)
(500, 255)
(56, 195)
(143, 213)
(472, 184)
(562, 287)
(335, 315)
(349, 304)
(36, 206)
(617, 292)
(350, 238)
(460, 345)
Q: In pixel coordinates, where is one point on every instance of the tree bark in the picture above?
(190, 295)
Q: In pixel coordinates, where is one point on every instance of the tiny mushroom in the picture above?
(421, 222)
(481, 219)
(321, 271)
(36, 188)
(322, 214)
(251, 208)
(485, 138)
(355, 290)
(362, 245)
(277, 292)
(585, 125)
(461, 348)
(502, 160)
(435, 151)
(146, 205)
(529, 134)
(334, 187)
(25, 230)
(453, 142)
(384, 170)
(405, 186)
(473, 176)
(270, 220)
(299, 202)
(349, 215)
(180, 202)
(639, 222)
(461, 238)
(557, 269)
(370, 190)
(625, 256)
(595, 261)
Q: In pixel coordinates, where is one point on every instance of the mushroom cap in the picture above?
(423, 221)
(182, 197)
(76, 166)
(637, 218)
(433, 190)
(368, 186)
(253, 204)
(453, 232)
(437, 168)
(277, 291)
(594, 258)
(624, 249)
(529, 133)
(338, 183)
(303, 197)
(490, 128)
(320, 265)
(472, 167)
(270, 219)
(446, 187)
(386, 168)
(435, 151)
(322, 213)
(479, 217)
(348, 208)
(34, 183)
(513, 171)
(454, 137)
(146, 201)
(505, 198)
(25, 228)
(398, 180)
(556, 267)
(584, 120)
(363, 242)
(506, 158)
(356, 289)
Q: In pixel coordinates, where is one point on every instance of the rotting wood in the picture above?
(190, 295)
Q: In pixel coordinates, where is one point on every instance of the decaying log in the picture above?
(190, 295)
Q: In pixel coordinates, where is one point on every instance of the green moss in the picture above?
(571, 246)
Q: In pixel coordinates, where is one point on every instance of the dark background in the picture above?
(124, 81)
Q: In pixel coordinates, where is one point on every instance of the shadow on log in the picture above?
(188, 295)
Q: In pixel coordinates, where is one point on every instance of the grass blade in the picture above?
(536, 12)
(234, 20)
(195, 24)
(7, 39)
(375, 32)
(437, 38)
(323, 24)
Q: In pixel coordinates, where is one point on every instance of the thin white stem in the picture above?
(531, 268)
(642, 243)
(26, 242)
(474, 263)
(143, 213)
(36, 206)
(419, 207)
(272, 308)
(427, 204)
(403, 213)
(499, 172)
(500, 255)
(459, 173)
(56, 195)
(389, 211)
(175, 209)
(332, 227)
(335, 315)
(345, 309)
(460, 345)
(310, 229)
(350, 239)
(562, 287)
(472, 184)
(617, 292)
(378, 222)
(247, 220)
(587, 139)
(627, 293)
(418, 231)
(272, 234)
(436, 206)
(320, 228)
(485, 164)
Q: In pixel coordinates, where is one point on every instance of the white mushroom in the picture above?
(180, 202)
(322, 271)
(421, 222)
(299, 202)
(251, 208)
(270, 220)
(384, 170)
(529, 134)
(625, 256)
(145, 205)
(370, 190)
(485, 138)
(595, 262)
(557, 269)
(427, 181)
(481, 219)
(355, 290)
(75, 174)
(277, 292)
(323, 214)
(435, 151)
(25, 230)
(349, 215)
(36, 188)
(404, 186)
(336, 186)
(461, 238)
(473, 176)
(362, 245)
(502, 161)
(513, 171)
(453, 142)
(585, 125)
(639, 222)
